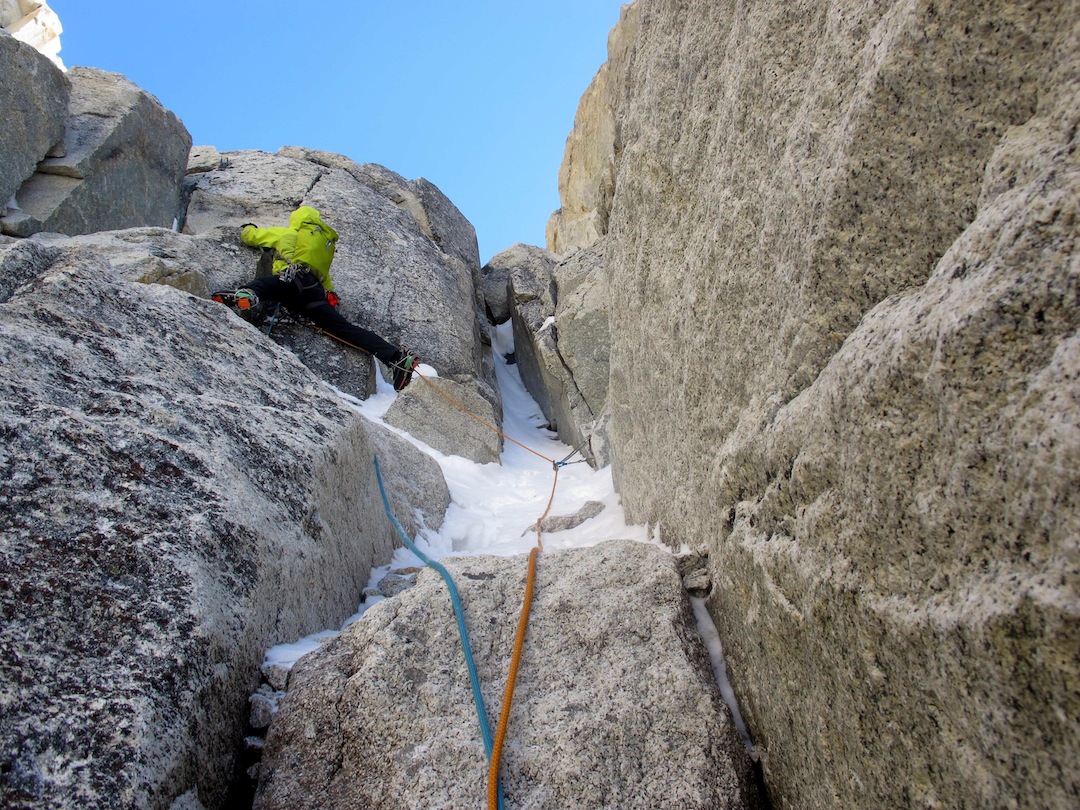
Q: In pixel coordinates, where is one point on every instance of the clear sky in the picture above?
(476, 96)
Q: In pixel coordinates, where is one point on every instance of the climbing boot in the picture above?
(403, 366)
(243, 302)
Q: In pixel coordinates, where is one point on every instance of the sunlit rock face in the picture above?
(120, 164)
(34, 23)
(587, 172)
(841, 243)
(33, 114)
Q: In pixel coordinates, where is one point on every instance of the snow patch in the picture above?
(492, 505)
(707, 629)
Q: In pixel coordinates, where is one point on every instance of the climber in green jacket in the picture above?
(301, 281)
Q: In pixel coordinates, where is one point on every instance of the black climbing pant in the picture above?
(305, 296)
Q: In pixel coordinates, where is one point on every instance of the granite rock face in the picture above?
(562, 346)
(587, 173)
(170, 510)
(615, 704)
(33, 111)
(841, 239)
(582, 339)
(121, 165)
(405, 265)
(33, 22)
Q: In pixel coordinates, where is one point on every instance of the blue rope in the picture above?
(273, 318)
(478, 698)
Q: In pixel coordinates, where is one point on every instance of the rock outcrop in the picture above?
(450, 417)
(615, 704)
(842, 244)
(121, 163)
(405, 265)
(33, 22)
(170, 510)
(587, 173)
(33, 112)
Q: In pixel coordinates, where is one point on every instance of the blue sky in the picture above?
(476, 96)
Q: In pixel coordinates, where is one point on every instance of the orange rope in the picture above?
(515, 659)
(511, 678)
(453, 401)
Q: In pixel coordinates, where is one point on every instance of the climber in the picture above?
(301, 281)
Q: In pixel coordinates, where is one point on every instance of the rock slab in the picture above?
(615, 704)
(450, 417)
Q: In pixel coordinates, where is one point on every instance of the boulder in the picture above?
(147, 255)
(123, 163)
(495, 276)
(615, 702)
(494, 282)
(562, 523)
(842, 249)
(33, 110)
(170, 510)
(437, 412)
(203, 159)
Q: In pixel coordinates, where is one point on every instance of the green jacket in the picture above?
(308, 241)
